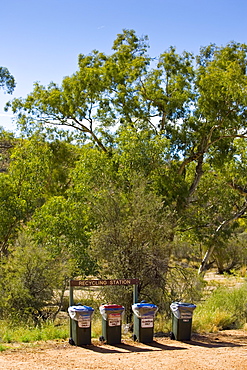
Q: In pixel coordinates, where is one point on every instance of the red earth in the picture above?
(218, 351)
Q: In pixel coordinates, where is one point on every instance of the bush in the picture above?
(225, 308)
(184, 284)
(10, 333)
(30, 276)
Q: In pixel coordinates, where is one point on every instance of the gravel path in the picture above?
(221, 351)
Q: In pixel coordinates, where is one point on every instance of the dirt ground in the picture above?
(218, 351)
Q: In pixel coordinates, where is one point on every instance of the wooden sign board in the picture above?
(112, 282)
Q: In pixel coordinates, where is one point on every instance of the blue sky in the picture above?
(41, 39)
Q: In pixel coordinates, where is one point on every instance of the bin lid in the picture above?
(112, 307)
(178, 305)
(80, 308)
(144, 305)
(143, 309)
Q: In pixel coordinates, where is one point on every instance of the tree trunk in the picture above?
(203, 266)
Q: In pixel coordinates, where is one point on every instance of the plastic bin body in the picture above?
(182, 320)
(111, 323)
(144, 314)
(80, 321)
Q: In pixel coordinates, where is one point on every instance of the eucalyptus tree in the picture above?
(7, 142)
(32, 283)
(7, 81)
(61, 227)
(12, 212)
(37, 171)
(94, 97)
(195, 104)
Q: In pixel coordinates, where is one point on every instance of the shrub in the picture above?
(30, 276)
(225, 308)
(10, 332)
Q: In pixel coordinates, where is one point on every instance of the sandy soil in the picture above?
(221, 351)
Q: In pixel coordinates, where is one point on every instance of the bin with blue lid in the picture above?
(182, 314)
(80, 324)
(144, 314)
(111, 323)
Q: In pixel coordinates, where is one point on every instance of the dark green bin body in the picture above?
(80, 336)
(182, 320)
(144, 314)
(142, 335)
(181, 328)
(111, 334)
(80, 324)
(111, 323)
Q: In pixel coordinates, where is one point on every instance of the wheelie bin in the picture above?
(144, 314)
(111, 323)
(80, 324)
(181, 320)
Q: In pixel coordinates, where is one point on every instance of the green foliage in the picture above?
(12, 211)
(231, 254)
(60, 226)
(7, 81)
(19, 333)
(7, 141)
(29, 280)
(183, 284)
(224, 309)
(38, 170)
(132, 238)
(3, 348)
(157, 178)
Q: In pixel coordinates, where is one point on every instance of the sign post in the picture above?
(110, 282)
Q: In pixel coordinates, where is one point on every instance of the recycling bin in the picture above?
(181, 320)
(111, 323)
(144, 314)
(80, 324)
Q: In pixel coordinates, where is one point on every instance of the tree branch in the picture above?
(210, 250)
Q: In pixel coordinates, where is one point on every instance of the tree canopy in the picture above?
(154, 160)
(7, 81)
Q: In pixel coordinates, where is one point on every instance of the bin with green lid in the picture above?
(80, 324)
(144, 314)
(111, 323)
(182, 314)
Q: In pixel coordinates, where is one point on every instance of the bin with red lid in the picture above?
(111, 323)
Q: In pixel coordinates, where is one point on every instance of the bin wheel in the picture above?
(101, 339)
(71, 341)
(134, 337)
(171, 335)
